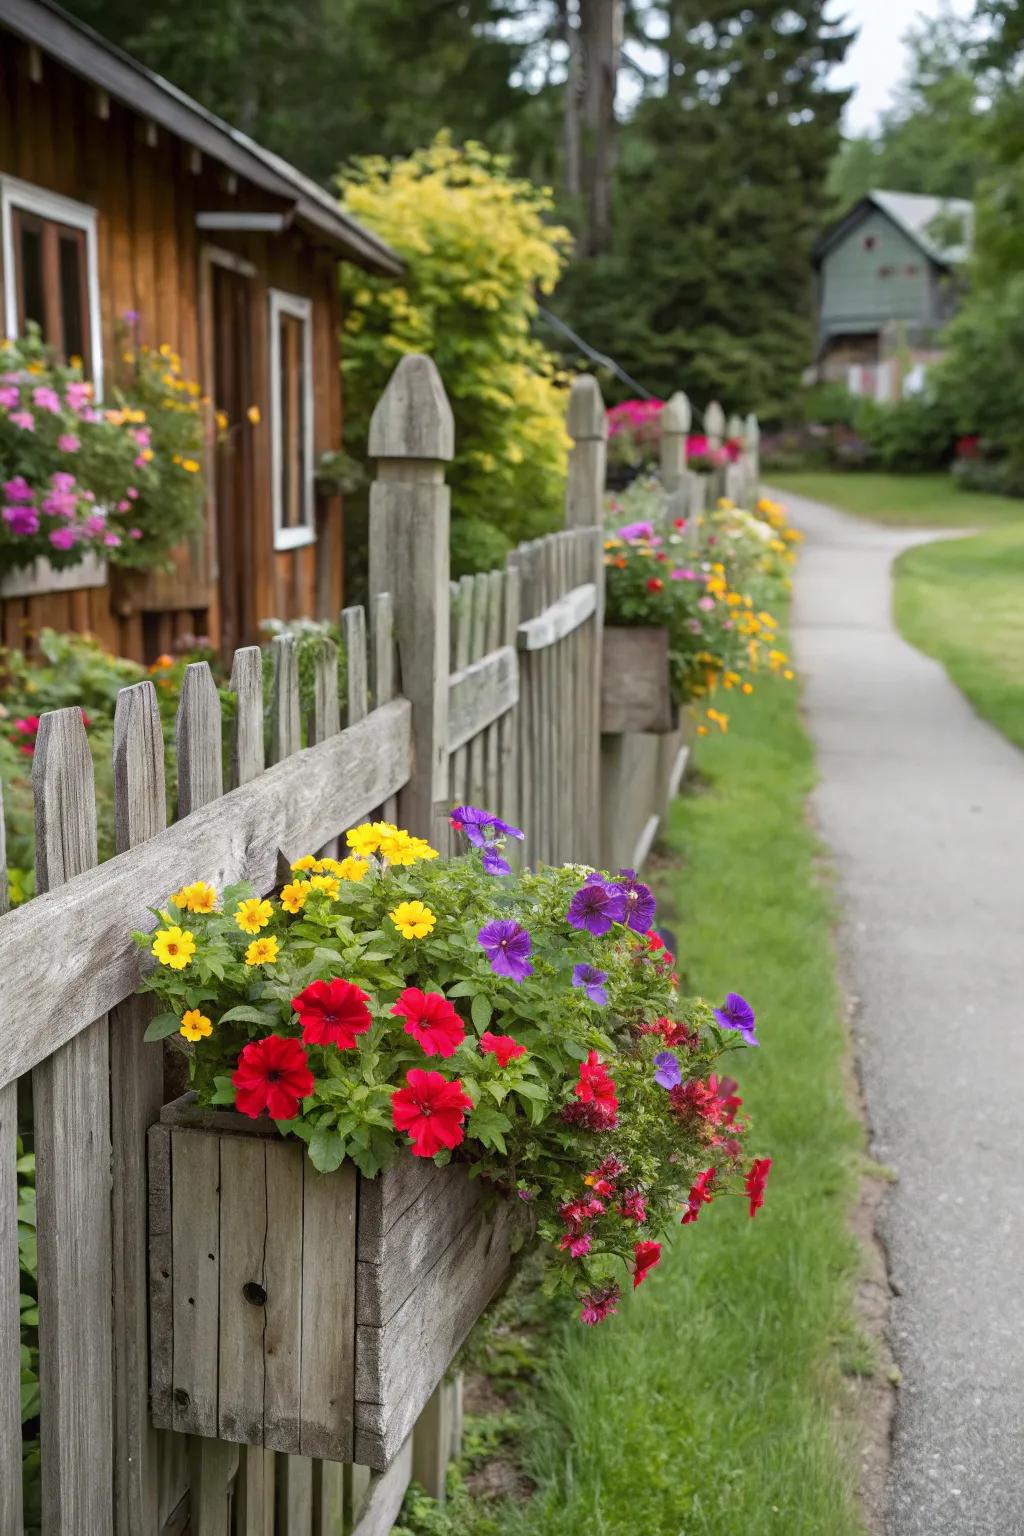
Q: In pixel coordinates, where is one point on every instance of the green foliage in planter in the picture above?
(122, 480)
(525, 1024)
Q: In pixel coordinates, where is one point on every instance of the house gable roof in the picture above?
(918, 217)
(84, 52)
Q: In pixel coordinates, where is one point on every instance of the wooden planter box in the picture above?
(634, 681)
(40, 578)
(305, 1312)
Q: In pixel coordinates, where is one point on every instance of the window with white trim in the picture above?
(291, 418)
(51, 273)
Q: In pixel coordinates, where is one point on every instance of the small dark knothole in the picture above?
(181, 1397)
(211, 1256)
(254, 1293)
(165, 1274)
(191, 1301)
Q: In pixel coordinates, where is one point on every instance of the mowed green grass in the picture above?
(962, 601)
(912, 501)
(711, 1403)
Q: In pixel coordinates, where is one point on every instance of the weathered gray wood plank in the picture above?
(10, 1337)
(136, 1091)
(328, 1310)
(161, 1276)
(197, 738)
(71, 1106)
(462, 623)
(247, 748)
(294, 1495)
(254, 1493)
(286, 725)
(481, 693)
(560, 619)
(242, 1322)
(384, 1494)
(432, 1442)
(282, 1340)
(635, 681)
(195, 1240)
(478, 647)
(588, 428)
(325, 716)
(492, 642)
(56, 989)
(353, 629)
(328, 1498)
(210, 1466)
(507, 798)
(383, 1200)
(414, 1243)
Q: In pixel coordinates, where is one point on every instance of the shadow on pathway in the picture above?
(922, 806)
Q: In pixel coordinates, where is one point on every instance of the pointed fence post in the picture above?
(412, 437)
(714, 424)
(751, 457)
(588, 428)
(675, 427)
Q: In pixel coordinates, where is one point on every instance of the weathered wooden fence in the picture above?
(486, 691)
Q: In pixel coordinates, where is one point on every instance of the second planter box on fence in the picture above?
(305, 1312)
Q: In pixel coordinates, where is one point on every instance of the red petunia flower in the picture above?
(431, 1109)
(431, 1020)
(332, 1013)
(654, 584)
(654, 941)
(273, 1075)
(694, 1100)
(599, 1104)
(645, 1255)
(502, 1047)
(700, 1195)
(575, 1212)
(755, 1181)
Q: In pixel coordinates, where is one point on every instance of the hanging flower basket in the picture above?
(312, 1313)
(635, 690)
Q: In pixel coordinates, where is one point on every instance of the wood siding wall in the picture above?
(147, 188)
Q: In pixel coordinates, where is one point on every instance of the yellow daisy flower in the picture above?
(423, 849)
(412, 919)
(363, 840)
(195, 1025)
(328, 867)
(199, 897)
(398, 848)
(174, 947)
(352, 869)
(304, 865)
(253, 914)
(293, 896)
(328, 883)
(262, 951)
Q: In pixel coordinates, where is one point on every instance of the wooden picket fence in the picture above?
(487, 691)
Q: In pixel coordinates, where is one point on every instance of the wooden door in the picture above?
(234, 392)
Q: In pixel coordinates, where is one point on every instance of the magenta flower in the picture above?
(47, 399)
(23, 419)
(10, 396)
(19, 489)
(62, 480)
(68, 443)
(636, 531)
(597, 1305)
(683, 573)
(64, 538)
(596, 905)
(78, 394)
(705, 603)
(667, 1071)
(135, 533)
(591, 980)
(21, 520)
(507, 946)
(111, 540)
(736, 1013)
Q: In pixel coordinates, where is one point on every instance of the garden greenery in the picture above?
(479, 245)
(527, 1025)
(122, 480)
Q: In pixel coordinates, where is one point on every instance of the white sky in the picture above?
(875, 61)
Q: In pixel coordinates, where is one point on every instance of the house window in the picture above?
(291, 419)
(50, 271)
(870, 241)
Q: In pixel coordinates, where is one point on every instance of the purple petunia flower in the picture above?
(21, 519)
(507, 946)
(667, 1071)
(640, 903)
(596, 905)
(591, 980)
(736, 1013)
(476, 824)
(493, 862)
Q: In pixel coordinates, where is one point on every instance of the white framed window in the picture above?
(51, 272)
(291, 419)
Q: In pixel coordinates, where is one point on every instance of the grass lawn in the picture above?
(961, 602)
(912, 501)
(711, 1404)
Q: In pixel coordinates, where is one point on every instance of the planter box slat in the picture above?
(634, 681)
(415, 1241)
(266, 1330)
(400, 1364)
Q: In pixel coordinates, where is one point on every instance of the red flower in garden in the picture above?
(646, 1255)
(502, 1047)
(698, 1101)
(700, 1195)
(654, 583)
(755, 1182)
(634, 1207)
(431, 1109)
(575, 1212)
(273, 1075)
(24, 733)
(597, 1305)
(332, 1013)
(595, 1083)
(431, 1020)
(728, 1098)
(654, 940)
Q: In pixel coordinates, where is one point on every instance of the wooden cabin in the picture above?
(120, 195)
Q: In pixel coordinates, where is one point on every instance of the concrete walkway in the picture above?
(922, 806)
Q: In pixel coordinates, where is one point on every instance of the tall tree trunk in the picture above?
(595, 45)
(573, 105)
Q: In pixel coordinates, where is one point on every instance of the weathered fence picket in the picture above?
(487, 690)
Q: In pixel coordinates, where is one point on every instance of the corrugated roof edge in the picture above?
(102, 63)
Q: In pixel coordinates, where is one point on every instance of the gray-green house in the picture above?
(888, 279)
